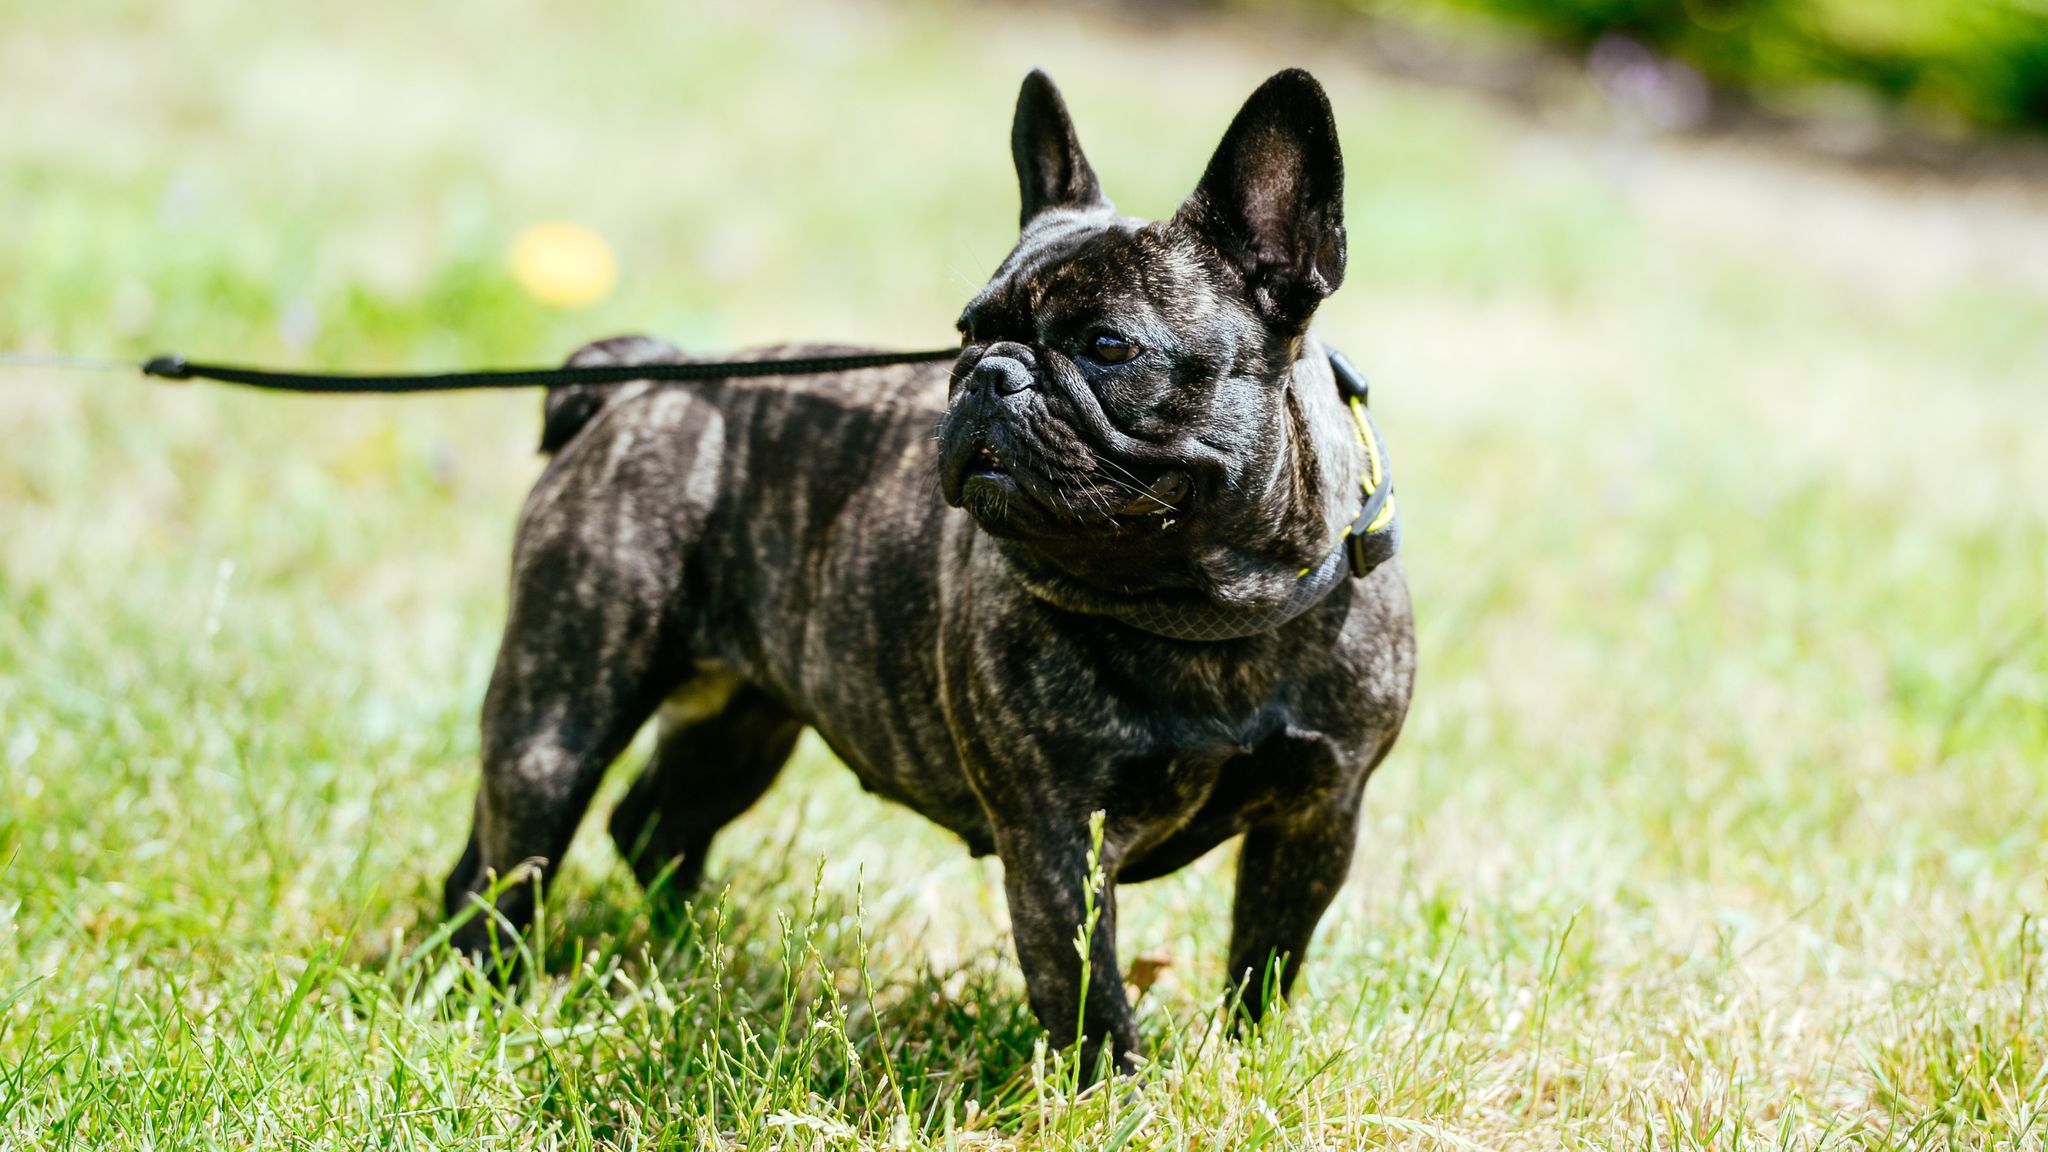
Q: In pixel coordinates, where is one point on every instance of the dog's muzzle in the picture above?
(1005, 369)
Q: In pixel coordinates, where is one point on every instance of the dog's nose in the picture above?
(1000, 376)
(1001, 372)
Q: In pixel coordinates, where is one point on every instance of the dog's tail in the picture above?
(571, 406)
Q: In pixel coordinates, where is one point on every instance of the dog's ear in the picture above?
(1272, 199)
(1051, 171)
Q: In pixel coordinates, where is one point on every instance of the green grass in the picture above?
(1720, 820)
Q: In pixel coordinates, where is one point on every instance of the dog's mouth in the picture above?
(988, 472)
(984, 464)
(987, 478)
(1014, 486)
(1162, 496)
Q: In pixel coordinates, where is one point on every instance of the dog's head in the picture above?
(1121, 406)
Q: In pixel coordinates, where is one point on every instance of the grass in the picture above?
(1719, 821)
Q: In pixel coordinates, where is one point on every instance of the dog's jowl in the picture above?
(1140, 429)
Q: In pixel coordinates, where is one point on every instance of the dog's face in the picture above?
(1120, 402)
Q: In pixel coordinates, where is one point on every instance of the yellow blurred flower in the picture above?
(564, 265)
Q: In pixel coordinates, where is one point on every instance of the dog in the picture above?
(1142, 460)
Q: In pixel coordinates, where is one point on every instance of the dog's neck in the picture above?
(1317, 466)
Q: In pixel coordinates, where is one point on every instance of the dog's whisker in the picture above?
(1081, 479)
(1135, 484)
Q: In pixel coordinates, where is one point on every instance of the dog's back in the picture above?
(569, 408)
(776, 539)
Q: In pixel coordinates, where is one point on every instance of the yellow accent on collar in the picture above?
(1377, 471)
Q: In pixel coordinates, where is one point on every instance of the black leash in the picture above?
(1372, 538)
(175, 367)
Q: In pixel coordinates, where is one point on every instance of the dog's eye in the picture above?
(1108, 348)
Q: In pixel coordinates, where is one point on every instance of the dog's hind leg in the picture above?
(566, 697)
(722, 744)
(593, 640)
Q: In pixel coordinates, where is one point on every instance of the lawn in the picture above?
(1721, 819)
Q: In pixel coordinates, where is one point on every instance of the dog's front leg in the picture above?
(1288, 871)
(1047, 878)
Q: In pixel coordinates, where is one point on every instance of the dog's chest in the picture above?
(1200, 697)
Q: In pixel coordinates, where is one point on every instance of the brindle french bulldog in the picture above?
(1139, 429)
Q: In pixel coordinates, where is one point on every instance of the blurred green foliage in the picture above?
(1980, 61)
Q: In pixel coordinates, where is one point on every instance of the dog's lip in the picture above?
(983, 461)
(985, 469)
(986, 463)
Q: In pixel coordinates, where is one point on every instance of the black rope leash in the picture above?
(1372, 538)
(173, 367)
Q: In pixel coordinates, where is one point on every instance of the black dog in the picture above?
(1130, 598)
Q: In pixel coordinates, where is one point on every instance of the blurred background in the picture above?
(1858, 70)
(1710, 338)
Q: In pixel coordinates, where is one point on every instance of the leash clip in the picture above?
(168, 367)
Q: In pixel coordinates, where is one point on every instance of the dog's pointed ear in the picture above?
(1051, 171)
(1272, 199)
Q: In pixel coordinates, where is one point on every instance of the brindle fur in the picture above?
(753, 557)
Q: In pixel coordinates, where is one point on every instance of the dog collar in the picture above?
(1375, 533)
(1372, 539)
